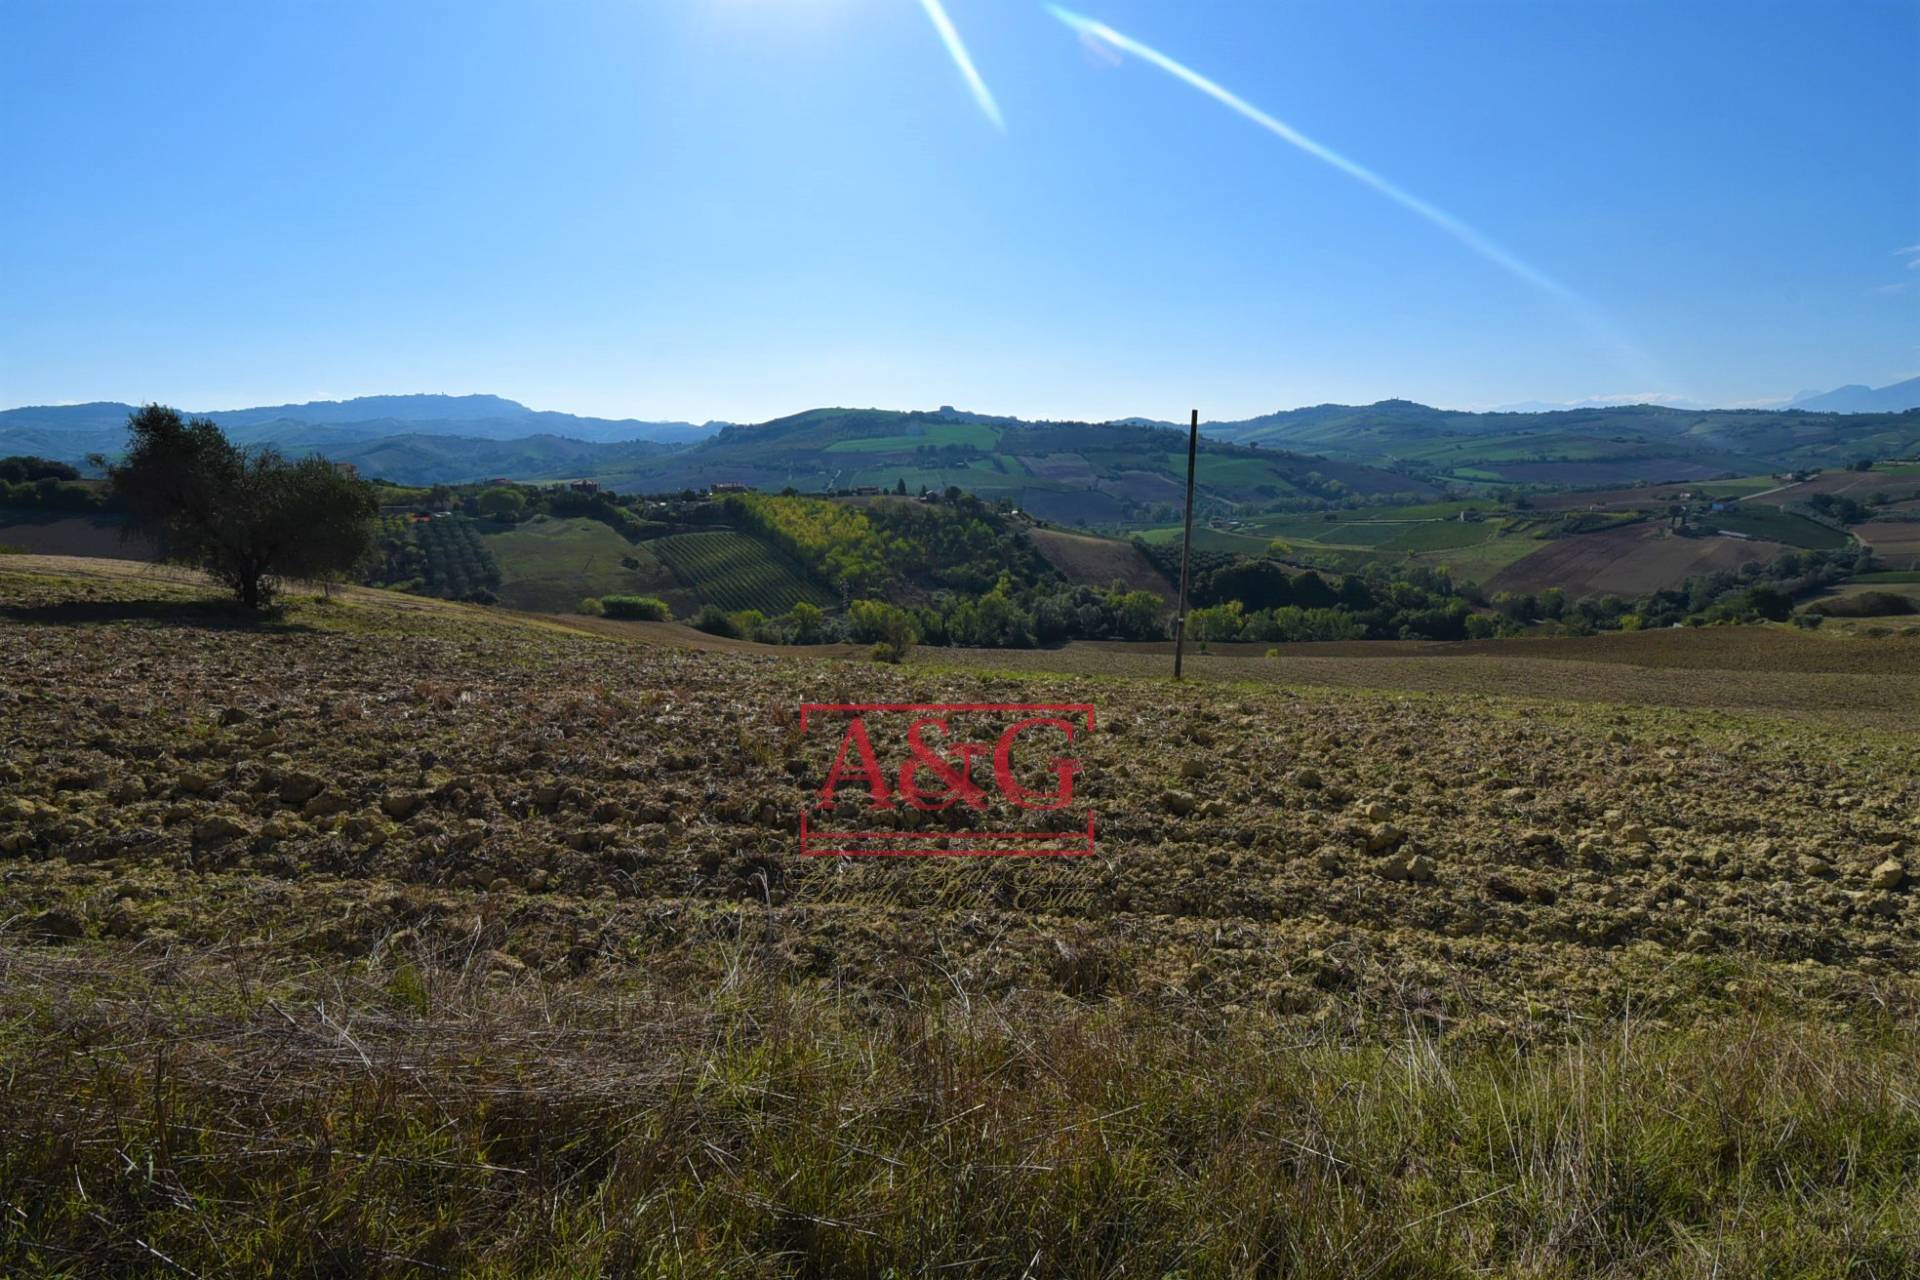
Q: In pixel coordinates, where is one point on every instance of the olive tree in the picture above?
(249, 518)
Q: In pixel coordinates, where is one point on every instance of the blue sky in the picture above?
(742, 208)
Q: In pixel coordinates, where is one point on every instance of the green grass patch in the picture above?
(1888, 575)
(978, 434)
(548, 566)
(1439, 535)
(1776, 525)
(1246, 544)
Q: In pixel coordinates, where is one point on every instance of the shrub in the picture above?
(1220, 622)
(890, 629)
(716, 621)
(643, 608)
(1770, 603)
(592, 607)
(804, 624)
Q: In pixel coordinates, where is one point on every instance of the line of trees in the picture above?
(1006, 617)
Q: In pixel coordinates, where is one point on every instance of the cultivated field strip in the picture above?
(1332, 855)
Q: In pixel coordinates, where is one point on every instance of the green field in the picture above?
(1777, 526)
(1523, 447)
(1246, 544)
(1473, 552)
(1220, 470)
(1481, 562)
(983, 476)
(735, 572)
(979, 435)
(548, 566)
(1898, 576)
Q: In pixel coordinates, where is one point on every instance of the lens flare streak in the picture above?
(950, 36)
(1459, 230)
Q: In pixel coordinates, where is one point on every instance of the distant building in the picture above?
(585, 486)
(729, 486)
(866, 491)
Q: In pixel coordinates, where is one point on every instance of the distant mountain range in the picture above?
(1079, 472)
(1857, 398)
(330, 426)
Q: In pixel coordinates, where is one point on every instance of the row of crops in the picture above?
(736, 572)
(440, 557)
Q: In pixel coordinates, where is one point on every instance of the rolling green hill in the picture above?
(1578, 447)
(1070, 473)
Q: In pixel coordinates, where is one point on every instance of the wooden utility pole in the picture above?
(1186, 550)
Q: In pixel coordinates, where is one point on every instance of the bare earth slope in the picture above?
(1100, 562)
(1626, 562)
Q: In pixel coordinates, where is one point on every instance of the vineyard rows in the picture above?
(736, 572)
(441, 557)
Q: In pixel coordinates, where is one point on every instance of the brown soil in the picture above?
(1626, 562)
(1100, 562)
(1475, 860)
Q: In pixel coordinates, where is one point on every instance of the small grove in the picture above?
(41, 484)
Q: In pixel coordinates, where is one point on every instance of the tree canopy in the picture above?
(248, 518)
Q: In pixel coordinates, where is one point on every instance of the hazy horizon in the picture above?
(1175, 417)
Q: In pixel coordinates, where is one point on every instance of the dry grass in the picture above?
(166, 1114)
